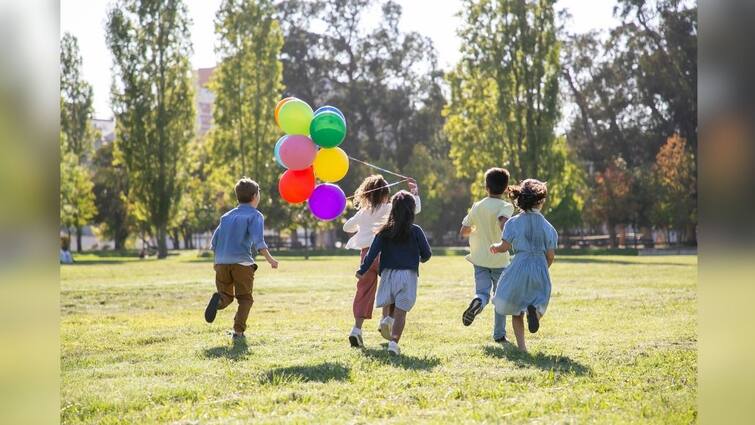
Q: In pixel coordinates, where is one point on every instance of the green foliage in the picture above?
(504, 100)
(111, 191)
(152, 98)
(77, 206)
(135, 349)
(247, 86)
(75, 100)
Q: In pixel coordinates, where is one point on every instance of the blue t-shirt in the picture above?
(240, 231)
(398, 255)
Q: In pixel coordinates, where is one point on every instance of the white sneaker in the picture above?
(355, 338)
(393, 348)
(386, 327)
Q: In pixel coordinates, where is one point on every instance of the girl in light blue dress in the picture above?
(525, 286)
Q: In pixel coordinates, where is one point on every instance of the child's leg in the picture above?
(389, 310)
(517, 322)
(224, 284)
(399, 320)
(364, 299)
(483, 282)
(243, 281)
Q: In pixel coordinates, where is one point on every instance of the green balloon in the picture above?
(295, 117)
(327, 129)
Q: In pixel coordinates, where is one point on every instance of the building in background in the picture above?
(204, 100)
(106, 127)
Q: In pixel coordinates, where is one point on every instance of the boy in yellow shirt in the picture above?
(483, 225)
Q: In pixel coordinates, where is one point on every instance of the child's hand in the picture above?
(494, 248)
(273, 262)
(412, 186)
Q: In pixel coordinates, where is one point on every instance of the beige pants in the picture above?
(236, 280)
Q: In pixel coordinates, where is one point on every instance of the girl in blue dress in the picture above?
(525, 286)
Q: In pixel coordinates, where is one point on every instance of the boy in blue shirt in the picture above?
(240, 231)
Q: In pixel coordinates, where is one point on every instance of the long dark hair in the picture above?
(399, 224)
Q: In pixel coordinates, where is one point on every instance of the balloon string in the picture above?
(377, 168)
(378, 188)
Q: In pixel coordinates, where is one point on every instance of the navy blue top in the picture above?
(239, 232)
(403, 255)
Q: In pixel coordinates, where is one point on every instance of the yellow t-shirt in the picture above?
(483, 219)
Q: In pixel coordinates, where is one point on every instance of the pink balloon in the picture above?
(297, 152)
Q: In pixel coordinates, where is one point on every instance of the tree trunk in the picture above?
(612, 234)
(162, 242)
(306, 243)
(78, 239)
(176, 240)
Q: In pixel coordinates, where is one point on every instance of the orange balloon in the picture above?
(279, 106)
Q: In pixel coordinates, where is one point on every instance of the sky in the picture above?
(434, 18)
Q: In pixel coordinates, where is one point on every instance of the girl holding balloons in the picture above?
(372, 200)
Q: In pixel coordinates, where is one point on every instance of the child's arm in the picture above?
(375, 248)
(425, 252)
(214, 239)
(352, 224)
(501, 246)
(258, 240)
(502, 221)
(550, 255)
(414, 189)
(466, 226)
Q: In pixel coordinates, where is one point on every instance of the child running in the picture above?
(373, 207)
(526, 285)
(483, 226)
(402, 245)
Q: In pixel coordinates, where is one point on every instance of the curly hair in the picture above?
(371, 193)
(399, 224)
(528, 194)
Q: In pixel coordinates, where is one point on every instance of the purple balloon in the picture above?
(327, 202)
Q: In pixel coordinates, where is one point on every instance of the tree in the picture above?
(610, 202)
(504, 99)
(152, 98)
(247, 87)
(675, 176)
(75, 115)
(110, 191)
(75, 100)
(77, 206)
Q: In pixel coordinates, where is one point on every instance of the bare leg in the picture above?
(388, 310)
(517, 322)
(358, 322)
(399, 319)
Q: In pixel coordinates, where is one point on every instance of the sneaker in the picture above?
(212, 308)
(475, 307)
(355, 338)
(533, 322)
(386, 327)
(238, 336)
(502, 340)
(393, 348)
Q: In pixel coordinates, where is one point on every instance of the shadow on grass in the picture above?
(322, 372)
(238, 351)
(578, 260)
(542, 361)
(403, 361)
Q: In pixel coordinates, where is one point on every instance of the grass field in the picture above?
(617, 345)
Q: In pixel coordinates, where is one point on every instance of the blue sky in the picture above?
(436, 19)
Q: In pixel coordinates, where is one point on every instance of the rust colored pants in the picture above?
(235, 280)
(364, 299)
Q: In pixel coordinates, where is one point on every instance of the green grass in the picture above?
(617, 345)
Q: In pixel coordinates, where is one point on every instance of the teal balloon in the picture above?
(327, 129)
(277, 151)
(327, 108)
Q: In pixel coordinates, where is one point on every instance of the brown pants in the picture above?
(364, 299)
(236, 280)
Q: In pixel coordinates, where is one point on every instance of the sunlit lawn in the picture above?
(618, 344)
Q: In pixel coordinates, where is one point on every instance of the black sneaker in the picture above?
(533, 322)
(212, 308)
(502, 340)
(471, 312)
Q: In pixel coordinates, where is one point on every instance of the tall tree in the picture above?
(152, 98)
(504, 102)
(76, 100)
(111, 191)
(247, 86)
(77, 206)
(76, 127)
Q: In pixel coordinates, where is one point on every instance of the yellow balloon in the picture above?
(331, 164)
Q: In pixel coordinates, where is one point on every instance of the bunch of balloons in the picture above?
(310, 150)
